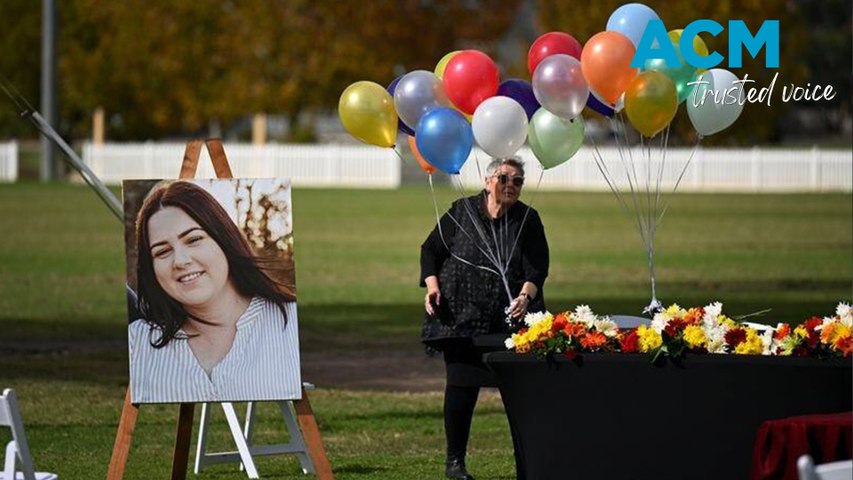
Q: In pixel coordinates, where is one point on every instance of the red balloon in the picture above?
(552, 43)
(470, 78)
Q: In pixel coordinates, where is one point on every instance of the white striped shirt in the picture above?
(263, 363)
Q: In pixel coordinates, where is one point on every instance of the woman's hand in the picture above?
(519, 306)
(433, 295)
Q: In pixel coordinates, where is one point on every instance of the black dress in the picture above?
(473, 299)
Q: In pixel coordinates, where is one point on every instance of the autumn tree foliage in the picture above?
(170, 67)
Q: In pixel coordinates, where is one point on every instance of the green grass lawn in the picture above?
(62, 277)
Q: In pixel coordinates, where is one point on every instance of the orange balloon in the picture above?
(606, 64)
(423, 163)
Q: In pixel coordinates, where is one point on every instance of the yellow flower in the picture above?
(831, 332)
(675, 311)
(752, 345)
(801, 332)
(520, 341)
(539, 330)
(694, 335)
(649, 338)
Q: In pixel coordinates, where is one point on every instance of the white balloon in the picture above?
(711, 116)
(500, 126)
(559, 85)
(418, 93)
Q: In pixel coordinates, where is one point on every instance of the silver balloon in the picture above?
(560, 87)
(417, 93)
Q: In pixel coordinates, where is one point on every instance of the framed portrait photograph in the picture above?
(211, 291)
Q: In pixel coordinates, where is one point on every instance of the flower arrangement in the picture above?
(567, 333)
(676, 331)
(817, 337)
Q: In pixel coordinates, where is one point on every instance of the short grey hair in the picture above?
(496, 163)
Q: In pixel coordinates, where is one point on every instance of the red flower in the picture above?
(560, 322)
(845, 346)
(812, 323)
(735, 337)
(629, 342)
(570, 354)
(814, 336)
(593, 340)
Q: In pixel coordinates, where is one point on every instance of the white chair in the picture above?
(827, 471)
(17, 450)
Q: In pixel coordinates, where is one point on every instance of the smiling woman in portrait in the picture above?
(216, 326)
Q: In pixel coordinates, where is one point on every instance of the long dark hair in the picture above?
(247, 271)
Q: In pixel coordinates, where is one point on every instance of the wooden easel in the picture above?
(180, 457)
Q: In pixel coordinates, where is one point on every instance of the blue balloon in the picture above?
(402, 127)
(596, 104)
(630, 20)
(522, 92)
(445, 139)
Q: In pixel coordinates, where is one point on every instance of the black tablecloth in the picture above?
(616, 416)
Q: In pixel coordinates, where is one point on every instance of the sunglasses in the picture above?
(504, 178)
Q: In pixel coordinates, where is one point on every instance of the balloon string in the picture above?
(622, 159)
(605, 172)
(526, 212)
(473, 217)
(478, 227)
(680, 176)
(441, 232)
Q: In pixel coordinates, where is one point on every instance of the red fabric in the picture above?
(779, 443)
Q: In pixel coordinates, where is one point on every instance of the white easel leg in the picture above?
(297, 442)
(249, 425)
(239, 439)
(201, 446)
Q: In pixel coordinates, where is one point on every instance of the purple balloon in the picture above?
(402, 127)
(599, 106)
(522, 92)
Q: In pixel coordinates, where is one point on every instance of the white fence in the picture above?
(8, 161)
(306, 165)
(711, 169)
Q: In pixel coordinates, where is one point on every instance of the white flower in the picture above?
(533, 318)
(660, 321)
(845, 313)
(607, 327)
(712, 311)
(716, 338)
(583, 314)
(767, 342)
(509, 344)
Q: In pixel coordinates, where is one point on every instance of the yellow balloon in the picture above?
(442, 64)
(698, 44)
(367, 112)
(651, 101)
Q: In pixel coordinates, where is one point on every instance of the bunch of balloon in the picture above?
(650, 97)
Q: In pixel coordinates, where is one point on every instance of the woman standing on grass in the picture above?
(463, 302)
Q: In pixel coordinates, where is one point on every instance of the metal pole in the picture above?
(48, 86)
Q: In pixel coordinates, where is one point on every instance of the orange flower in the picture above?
(694, 315)
(574, 329)
(827, 333)
(783, 331)
(593, 340)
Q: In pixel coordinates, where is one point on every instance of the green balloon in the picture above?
(554, 140)
(680, 76)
